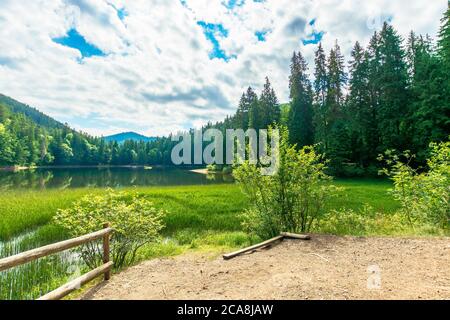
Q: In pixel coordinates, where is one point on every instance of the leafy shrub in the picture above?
(292, 199)
(424, 196)
(135, 222)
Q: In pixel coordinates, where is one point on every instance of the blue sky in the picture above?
(155, 67)
(213, 32)
(76, 41)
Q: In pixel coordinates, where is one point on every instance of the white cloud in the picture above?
(157, 76)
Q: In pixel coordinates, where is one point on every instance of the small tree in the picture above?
(135, 221)
(424, 197)
(292, 199)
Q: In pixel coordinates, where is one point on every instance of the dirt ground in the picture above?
(326, 267)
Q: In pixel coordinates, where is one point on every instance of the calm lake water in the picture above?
(114, 177)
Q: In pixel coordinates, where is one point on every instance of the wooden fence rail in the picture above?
(31, 255)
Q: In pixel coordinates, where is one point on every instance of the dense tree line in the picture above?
(394, 94)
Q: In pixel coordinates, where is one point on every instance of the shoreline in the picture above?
(16, 168)
(147, 167)
(200, 171)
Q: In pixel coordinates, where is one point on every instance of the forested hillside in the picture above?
(395, 94)
(35, 115)
(28, 137)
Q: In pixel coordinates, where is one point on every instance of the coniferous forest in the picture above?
(392, 94)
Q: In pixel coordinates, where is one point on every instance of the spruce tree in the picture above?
(301, 113)
(255, 113)
(269, 106)
(320, 96)
(338, 142)
(444, 39)
(430, 103)
(392, 81)
(241, 118)
(359, 112)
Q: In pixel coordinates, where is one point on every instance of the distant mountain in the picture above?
(124, 136)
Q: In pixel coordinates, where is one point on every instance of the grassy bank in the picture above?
(192, 209)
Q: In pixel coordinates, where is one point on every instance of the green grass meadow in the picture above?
(195, 209)
(200, 218)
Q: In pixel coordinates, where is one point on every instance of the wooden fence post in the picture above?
(106, 252)
(34, 254)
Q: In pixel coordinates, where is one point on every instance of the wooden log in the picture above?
(254, 247)
(106, 251)
(77, 283)
(34, 254)
(296, 236)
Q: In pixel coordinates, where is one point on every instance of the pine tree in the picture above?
(254, 112)
(300, 114)
(430, 106)
(335, 84)
(359, 112)
(269, 106)
(241, 118)
(444, 54)
(320, 96)
(338, 140)
(444, 38)
(392, 82)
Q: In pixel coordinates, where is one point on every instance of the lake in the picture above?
(114, 177)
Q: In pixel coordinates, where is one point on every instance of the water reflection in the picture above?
(62, 178)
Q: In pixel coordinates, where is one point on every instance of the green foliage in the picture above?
(136, 222)
(320, 97)
(290, 200)
(28, 137)
(269, 106)
(424, 196)
(360, 112)
(393, 96)
(444, 39)
(300, 113)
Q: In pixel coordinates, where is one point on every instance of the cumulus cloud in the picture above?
(160, 71)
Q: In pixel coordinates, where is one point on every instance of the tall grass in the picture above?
(36, 278)
(199, 218)
(23, 210)
(199, 208)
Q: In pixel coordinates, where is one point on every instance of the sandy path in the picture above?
(326, 267)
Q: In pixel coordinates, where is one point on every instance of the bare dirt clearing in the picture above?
(326, 267)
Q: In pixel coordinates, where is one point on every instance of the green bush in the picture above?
(134, 219)
(423, 196)
(292, 199)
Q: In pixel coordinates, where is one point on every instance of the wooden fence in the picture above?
(28, 256)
